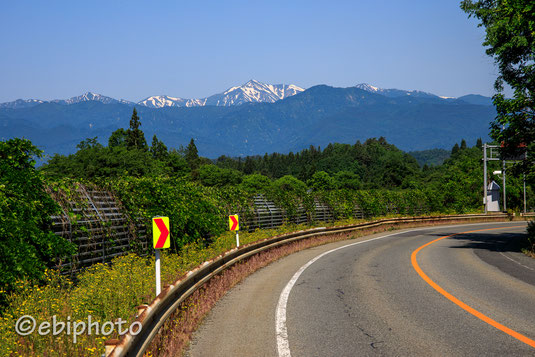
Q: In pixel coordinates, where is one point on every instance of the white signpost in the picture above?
(161, 239)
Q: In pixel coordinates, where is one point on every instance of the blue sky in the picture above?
(192, 49)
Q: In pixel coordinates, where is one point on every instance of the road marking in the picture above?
(511, 259)
(458, 302)
(281, 330)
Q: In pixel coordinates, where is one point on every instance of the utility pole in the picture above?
(525, 211)
(504, 191)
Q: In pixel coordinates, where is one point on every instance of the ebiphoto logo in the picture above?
(26, 325)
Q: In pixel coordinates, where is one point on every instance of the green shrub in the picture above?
(194, 211)
(211, 175)
(255, 183)
(347, 180)
(321, 181)
(290, 194)
(27, 244)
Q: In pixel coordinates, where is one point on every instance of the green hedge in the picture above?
(198, 213)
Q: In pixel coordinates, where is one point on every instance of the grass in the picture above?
(106, 292)
(109, 292)
(528, 252)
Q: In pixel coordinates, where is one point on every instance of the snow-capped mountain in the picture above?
(21, 103)
(250, 92)
(160, 101)
(88, 96)
(253, 92)
(394, 93)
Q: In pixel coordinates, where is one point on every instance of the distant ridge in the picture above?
(317, 116)
(251, 92)
(476, 99)
(394, 93)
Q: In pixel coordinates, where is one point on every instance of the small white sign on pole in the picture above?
(157, 266)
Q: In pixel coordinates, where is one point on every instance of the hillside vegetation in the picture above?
(318, 116)
(196, 193)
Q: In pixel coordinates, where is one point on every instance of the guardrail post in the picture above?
(109, 345)
(141, 309)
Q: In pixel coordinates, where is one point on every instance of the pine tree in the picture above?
(455, 149)
(463, 144)
(249, 166)
(192, 155)
(158, 149)
(479, 143)
(135, 138)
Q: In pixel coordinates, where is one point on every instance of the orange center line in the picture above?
(458, 302)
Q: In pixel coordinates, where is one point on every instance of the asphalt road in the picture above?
(368, 299)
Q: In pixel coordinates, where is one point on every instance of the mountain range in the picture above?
(250, 92)
(256, 118)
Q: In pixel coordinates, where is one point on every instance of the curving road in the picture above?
(387, 294)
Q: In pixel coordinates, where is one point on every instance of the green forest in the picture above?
(372, 165)
(197, 193)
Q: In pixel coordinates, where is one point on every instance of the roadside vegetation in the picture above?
(197, 194)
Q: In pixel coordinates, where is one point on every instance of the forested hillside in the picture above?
(148, 179)
(318, 116)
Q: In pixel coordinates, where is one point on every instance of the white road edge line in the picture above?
(514, 261)
(281, 330)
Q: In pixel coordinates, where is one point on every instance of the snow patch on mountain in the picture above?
(89, 96)
(251, 92)
(394, 93)
(86, 97)
(160, 101)
(21, 103)
(367, 87)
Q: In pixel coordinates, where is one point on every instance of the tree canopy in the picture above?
(510, 40)
(27, 243)
(135, 138)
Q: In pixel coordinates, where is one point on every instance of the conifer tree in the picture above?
(455, 149)
(135, 138)
(248, 166)
(192, 155)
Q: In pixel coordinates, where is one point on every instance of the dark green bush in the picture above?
(27, 244)
(321, 181)
(211, 175)
(255, 183)
(290, 193)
